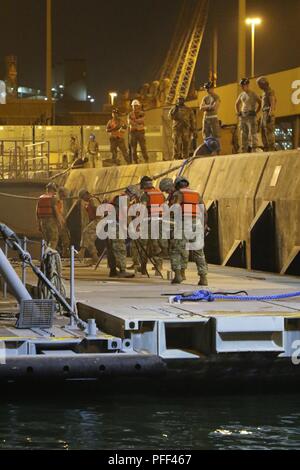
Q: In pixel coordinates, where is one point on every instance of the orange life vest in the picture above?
(113, 127)
(91, 210)
(155, 200)
(44, 208)
(190, 203)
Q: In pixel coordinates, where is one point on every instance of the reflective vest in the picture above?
(91, 210)
(44, 208)
(137, 121)
(190, 203)
(155, 199)
(113, 127)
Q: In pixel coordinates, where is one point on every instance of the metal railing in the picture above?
(24, 159)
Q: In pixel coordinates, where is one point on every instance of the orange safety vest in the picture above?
(134, 125)
(112, 128)
(154, 201)
(91, 210)
(44, 208)
(190, 203)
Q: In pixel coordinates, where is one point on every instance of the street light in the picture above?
(253, 22)
(113, 95)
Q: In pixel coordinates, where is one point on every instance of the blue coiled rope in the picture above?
(207, 296)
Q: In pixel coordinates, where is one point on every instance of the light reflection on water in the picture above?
(139, 422)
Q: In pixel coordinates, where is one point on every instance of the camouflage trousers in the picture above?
(248, 132)
(268, 132)
(65, 239)
(138, 137)
(211, 128)
(50, 231)
(115, 144)
(181, 143)
(179, 256)
(88, 239)
(116, 254)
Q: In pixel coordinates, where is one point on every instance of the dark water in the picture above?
(155, 422)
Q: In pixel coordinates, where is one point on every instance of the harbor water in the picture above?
(135, 422)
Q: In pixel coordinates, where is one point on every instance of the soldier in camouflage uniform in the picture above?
(179, 255)
(210, 105)
(116, 247)
(49, 216)
(268, 117)
(247, 107)
(153, 247)
(89, 235)
(184, 127)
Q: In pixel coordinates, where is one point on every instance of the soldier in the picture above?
(153, 199)
(74, 148)
(64, 234)
(117, 128)
(210, 105)
(136, 121)
(179, 255)
(268, 118)
(247, 107)
(49, 216)
(89, 235)
(134, 194)
(92, 150)
(116, 247)
(166, 185)
(184, 127)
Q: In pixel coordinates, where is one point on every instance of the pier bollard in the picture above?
(92, 327)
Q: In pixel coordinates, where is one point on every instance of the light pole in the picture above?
(113, 95)
(253, 22)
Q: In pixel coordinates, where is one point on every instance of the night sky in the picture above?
(125, 41)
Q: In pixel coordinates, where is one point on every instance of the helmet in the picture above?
(82, 193)
(115, 111)
(262, 81)
(135, 103)
(51, 187)
(132, 190)
(181, 181)
(63, 190)
(146, 182)
(92, 136)
(181, 100)
(208, 85)
(212, 144)
(166, 184)
(244, 81)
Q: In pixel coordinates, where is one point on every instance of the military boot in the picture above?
(183, 274)
(125, 275)
(113, 273)
(177, 279)
(203, 280)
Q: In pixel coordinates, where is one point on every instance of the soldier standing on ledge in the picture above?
(136, 121)
(116, 127)
(184, 127)
(210, 105)
(268, 118)
(247, 107)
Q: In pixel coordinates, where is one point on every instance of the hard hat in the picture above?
(51, 186)
(92, 136)
(146, 182)
(262, 80)
(181, 180)
(244, 81)
(181, 99)
(82, 193)
(132, 190)
(166, 184)
(208, 85)
(212, 144)
(135, 103)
